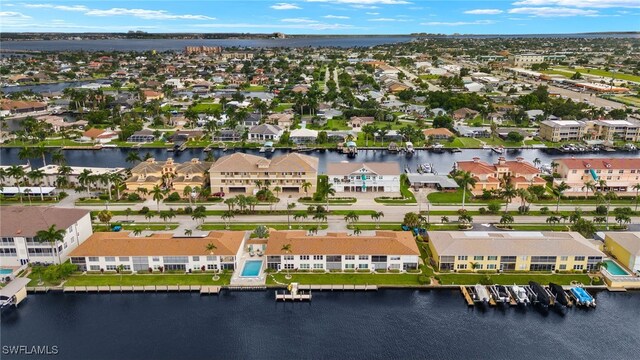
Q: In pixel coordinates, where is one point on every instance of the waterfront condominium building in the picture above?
(243, 173)
(619, 174)
(512, 251)
(160, 252)
(364, 177)
(520, 173)
(174, 176)
(625, 247)
(562, 130)
(610, 130)
(386, 250)
(19, 225)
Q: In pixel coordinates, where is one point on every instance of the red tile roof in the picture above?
(601, 164)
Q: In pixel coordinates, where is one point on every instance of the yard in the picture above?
(508, 279)
(346, 279)
(464, 142)
(142, 279)
(204, 107)
(251, 226)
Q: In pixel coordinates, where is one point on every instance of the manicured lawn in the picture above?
(256, 88)
(203, 107)
(346, 279)
(509, 279)
(464, 142)
(252, 226)
(282, 107)
(600, 72)
(449, 197)
(140, 226)
(141, 280)
(429, 76)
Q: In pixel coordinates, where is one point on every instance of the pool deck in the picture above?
(238, 280)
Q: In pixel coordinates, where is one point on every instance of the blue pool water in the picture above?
(614, 269)
(251, 268)
(6, 271)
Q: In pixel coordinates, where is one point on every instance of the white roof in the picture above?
(304, 133)
(35, 190)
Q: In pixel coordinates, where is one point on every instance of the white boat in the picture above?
(482, 293)
(520, 294)
(498, 149)
(409, 147)
(500, 293)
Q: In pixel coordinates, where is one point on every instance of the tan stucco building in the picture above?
(172, 175)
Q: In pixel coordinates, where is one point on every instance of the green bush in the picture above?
(174, 196)
(424, 280)
(134, 197)
(144, 210)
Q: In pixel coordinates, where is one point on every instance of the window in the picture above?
(578, 267)
(363, 266)
(93, 258)
(94, 267)
(126, 267)
(349, 257)
(318, 257)
(395, 266)
(461, 266)
(462, 258)
(304, 266)
(196, 258)
(6, 240)
(110, 259)
(288, 257)
(155, 258)
(563, 267)
(111, 268)
(492, 258)
(394, 258)
(211, 258)
(304, 257)
(363, 257)
(123, 258)
(478, 258)
(564, 258)
(378, 258)
(288, 266)
(349, 266)
(491, 267)
(318, 266)
(579, 258)
(212, 266)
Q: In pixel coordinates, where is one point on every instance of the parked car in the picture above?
(218, 194)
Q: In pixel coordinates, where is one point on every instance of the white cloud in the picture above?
(552, 11)
(145, 14)
(277, 27)
(581, 3)
(335, 17)
(365, 2)
(459, 23)
(57, 7)
(4, 15)
(388, 20)
(299, 20)
(372, 7)
(484, 12)
(285, 6)
(372, 13)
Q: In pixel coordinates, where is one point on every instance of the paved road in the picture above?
(580, 96)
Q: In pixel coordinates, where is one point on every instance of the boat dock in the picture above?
(203, 290)
(14, 292)
(293, 293)
(338, 287)
(471, 298)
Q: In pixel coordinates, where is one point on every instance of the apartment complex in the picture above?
(20, 224)
(172, 175)
(520, 173)
(610, 130)
(512, 251)
(625, 247)
(562, 130)
(364, 177)
(620, 174)
(241, 173)
(386, 250)
(159, 252)
(526, 60)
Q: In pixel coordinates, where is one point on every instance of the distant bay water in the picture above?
(311, 41)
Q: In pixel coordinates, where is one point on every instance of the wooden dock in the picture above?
(293, 297)
(204, 290)
(339, 287)
(209, 290)
(467, 296)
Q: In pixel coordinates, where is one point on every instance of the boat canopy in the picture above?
(268, 144)
(351, 144)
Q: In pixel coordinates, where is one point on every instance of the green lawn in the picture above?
(252, 226)
(204, 107)
(346, 279)
(448, 197)
(464, 142)
(256, 88)
(139, 226)
(429, 76)
(151, 279)
(600, 72)
(508, 279)
(282, 107)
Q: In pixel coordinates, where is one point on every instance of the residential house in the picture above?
(562, 130)
(252, 119)
(20, 225)
(168, 174)
(283, 120)
(610, 130)
(625, 248)
(620, 174)
(464, 113)
(512, 251)
(473, 131)
(52, 173)
(438, 134)
(303, 136)
(265, 132)
(58, 124)
(12, 107)
(357, 122)
(239, 172)
(150, 95)
(364, 177)
(100, 136)
(159, 252)
(142, 136)
(227, 135)
(386, 250)
(519, 173)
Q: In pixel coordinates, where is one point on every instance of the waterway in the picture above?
(387, 324)
(442, 162)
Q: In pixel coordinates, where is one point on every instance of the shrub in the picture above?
(188, 210)
(523, 209)
(544, 210)
(494, 207)
(601, 210)
(133, 197)
(486, 194)
(482, 210)
(144, 210)
(486, 280)
(174, 196)
(103, 197)
(62, 195)
(424, 280)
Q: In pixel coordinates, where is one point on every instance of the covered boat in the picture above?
(482, 293)
(520, 294)
(501, 294)
(558, 292)
(582, 296)
(541, 294)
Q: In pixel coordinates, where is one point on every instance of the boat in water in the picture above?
(499, 149)
(541, 295)
(425, 168)
(558, 293)
(500, 294)
(583, 297)
(520, 295)
(482, 294)
(408, 147)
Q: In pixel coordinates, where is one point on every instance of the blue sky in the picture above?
(322, 16)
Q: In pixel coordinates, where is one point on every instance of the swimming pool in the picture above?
(614, 269)
(251, 268)
(6, 271)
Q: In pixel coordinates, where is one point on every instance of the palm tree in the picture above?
(357, 231)
(305, 186)
(137, 232)
(444, 219)
(290, 206)
(558, 190)
(149, 216)
(84, 179)
(231, 203)
(301, 216)
(187, 193)
(465, 179)
(376, 217)
(636, 187)
(16, 172)
(40, 151)
(508, 193)
(588, 185)
(329, 191)
(286, 248)
(36, 176)
(226, 217)
(27, 192)
(536, 162)
(188, 232)
(157, 195)
(211, 248)
(133, 157)
(51, 235)
(608, 197)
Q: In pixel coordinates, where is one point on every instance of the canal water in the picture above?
(442, 162)
(387, 324)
